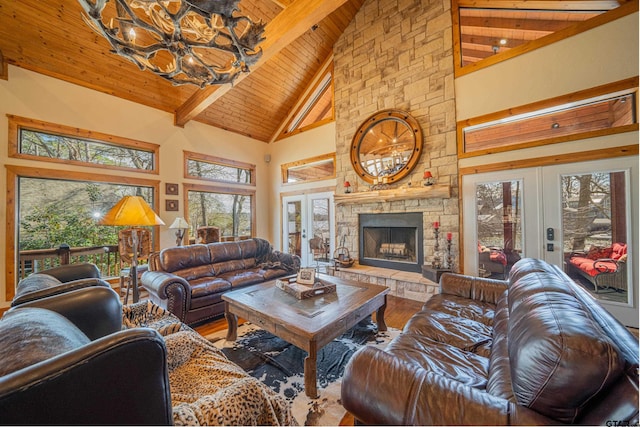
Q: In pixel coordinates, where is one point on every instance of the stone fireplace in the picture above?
(409, 65)
(391, 241)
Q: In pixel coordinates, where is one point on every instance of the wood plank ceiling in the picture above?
(50, 37)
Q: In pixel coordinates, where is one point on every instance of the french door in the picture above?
(570, 215)
(308, 227)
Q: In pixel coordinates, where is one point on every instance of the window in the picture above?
(229, 207)
(603, 110)
(37, 140)
(316, 108)
(210, 168)
(311, 169)
(54, 208)
(233, 211)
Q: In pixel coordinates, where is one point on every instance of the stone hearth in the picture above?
(402, 284)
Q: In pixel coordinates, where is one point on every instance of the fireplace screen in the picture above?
(391, 241)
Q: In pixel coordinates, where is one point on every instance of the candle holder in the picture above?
(436, 263)
(449, 257)
(428, 179)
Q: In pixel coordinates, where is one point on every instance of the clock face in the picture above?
(386, 146)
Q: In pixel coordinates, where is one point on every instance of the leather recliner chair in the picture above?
(57, 280)
(75, 366)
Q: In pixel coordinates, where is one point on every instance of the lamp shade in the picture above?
(179, 223)
(131, 211)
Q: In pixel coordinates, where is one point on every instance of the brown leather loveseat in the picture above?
(189, 281)
(536, 349)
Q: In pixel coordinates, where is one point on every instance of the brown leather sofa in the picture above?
(65, 360)
(533, 350)
(189, 281)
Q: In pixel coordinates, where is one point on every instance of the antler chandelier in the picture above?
(198, 42)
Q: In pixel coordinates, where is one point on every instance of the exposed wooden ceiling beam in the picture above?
(542, 4)
(4, 68)
(290, 24)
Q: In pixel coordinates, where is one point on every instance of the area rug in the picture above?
(280, 365)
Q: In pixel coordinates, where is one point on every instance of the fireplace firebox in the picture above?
(392, 240)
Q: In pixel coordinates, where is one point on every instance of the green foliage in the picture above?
(52, 225)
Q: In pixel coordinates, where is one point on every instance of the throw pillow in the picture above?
(598, 252)
(31, 335)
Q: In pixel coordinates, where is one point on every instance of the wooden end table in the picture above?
(311, 323)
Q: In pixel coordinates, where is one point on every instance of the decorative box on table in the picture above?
(300, 291)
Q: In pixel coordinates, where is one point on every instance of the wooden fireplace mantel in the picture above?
(394, 194)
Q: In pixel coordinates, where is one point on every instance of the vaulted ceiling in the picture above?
(50, 37)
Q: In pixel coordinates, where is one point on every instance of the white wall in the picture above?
(35, 96)
(601, 55)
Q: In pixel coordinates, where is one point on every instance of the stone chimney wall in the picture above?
(399, 54)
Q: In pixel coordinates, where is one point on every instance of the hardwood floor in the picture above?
(397, 313)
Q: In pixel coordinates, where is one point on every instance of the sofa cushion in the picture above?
(465, 334)
(184, 257)
(31, 335)
(36, 282)
(243, 277)
(560, 357)
(593, 268)
(455, 305)
(251, 248)
(234, 265)
(208, 285)
(443, 359)
(196, 272)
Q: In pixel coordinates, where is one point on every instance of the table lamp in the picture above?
(135, 212)
(180, 225)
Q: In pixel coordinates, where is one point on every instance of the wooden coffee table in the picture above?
(310, 323)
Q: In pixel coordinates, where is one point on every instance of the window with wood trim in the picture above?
(49, 210)
(490, 31)
(604, 110)
(231, 210)
(316, 109)
(49, 142)
(211, 168)
(312, 169)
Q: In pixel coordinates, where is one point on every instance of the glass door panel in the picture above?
(499, 222)
(598, 211)
(308, 226)
(320, 241)
(579, 216)
(293, 227)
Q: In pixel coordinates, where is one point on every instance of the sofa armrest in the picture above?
(96, 311)
(477, 288)
(59, 289)
(169, 291)
(380, 389)
(116, 380)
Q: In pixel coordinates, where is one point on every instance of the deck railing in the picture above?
(107, 258)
